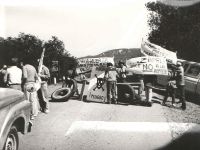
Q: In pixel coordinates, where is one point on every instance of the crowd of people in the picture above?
(24, 76)
(176, 82)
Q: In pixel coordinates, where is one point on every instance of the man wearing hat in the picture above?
(180, 82)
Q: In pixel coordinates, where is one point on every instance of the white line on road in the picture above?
(128, 126)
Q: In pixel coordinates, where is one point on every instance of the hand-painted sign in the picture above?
(97, 90)
(147, 65)
(95, 61)
(150, 49)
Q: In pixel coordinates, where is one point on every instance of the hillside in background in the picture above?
(119, 54)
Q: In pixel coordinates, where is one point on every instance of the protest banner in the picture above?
(86, 64)
(97, 67)
(148, 65)
(95, 61)
(150, 49)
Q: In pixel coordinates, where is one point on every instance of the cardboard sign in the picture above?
(93, 93)
(148, 65)
(149, 49)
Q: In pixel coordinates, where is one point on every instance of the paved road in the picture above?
(79, 125)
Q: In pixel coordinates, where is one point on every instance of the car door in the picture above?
(192, 78)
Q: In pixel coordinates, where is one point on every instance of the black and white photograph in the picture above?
(99, 74)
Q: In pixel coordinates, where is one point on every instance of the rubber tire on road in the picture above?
(74, 86)
(61, 94)
(13, 137)
(125, 93)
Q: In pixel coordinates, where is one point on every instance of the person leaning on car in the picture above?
(180, 82)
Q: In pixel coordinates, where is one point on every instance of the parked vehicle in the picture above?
(192, 77)
(14, 117)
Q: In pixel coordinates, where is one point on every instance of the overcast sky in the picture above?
(86, 27)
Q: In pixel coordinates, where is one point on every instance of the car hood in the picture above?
(8, 96)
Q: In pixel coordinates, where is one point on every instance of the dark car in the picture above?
(14, 117)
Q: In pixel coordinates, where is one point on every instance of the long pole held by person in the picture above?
(41, 61)
(38, 85)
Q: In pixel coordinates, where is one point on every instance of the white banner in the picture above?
(147, 65)
(150, 49)
(95, 61)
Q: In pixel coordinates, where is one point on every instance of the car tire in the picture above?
(12, 140)
(125, 93)
(73, 88)
(61, 94)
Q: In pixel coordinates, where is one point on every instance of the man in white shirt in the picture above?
(14, 75)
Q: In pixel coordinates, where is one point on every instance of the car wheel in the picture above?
(12, 140)
(61, 94)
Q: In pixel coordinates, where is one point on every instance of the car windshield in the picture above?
(194, 70)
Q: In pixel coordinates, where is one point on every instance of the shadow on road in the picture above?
(188, 141)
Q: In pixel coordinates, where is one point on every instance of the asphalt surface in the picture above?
(74, 125)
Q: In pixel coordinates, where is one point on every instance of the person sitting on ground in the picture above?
(111, 80)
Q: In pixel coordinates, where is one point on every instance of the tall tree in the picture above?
(27, 45)
(176, 28)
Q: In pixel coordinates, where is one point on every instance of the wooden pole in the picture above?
(82, 90)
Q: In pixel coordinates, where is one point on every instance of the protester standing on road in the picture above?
(14, 78)
(43, 91)
(71, 74)
(3, 76)
(29, 81)
(180, 82)
(171, 89)
(121, 72)
(111, 79)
